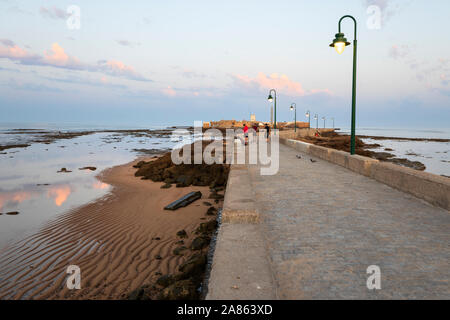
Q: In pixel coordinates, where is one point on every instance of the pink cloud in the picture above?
(119, 69)
(58, 58)
(281, 83)
(14, 52)
(169, 91)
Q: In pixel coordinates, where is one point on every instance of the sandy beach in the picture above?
(121, 242)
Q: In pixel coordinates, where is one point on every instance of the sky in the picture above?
(139, 63)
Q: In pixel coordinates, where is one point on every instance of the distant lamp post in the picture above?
(308, 115)
(274, 99)
(323, 118)
(294, 107)
(316, 117)
(339, 43)
(332, 119)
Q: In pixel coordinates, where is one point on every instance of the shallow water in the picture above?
(30, 183)
(434, 155)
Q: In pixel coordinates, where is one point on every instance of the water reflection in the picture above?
(59, 194)
(30, 182)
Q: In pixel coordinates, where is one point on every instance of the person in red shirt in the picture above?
(246, 133)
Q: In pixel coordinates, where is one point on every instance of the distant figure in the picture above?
(267, 131)
(246, 133)
(255, 127)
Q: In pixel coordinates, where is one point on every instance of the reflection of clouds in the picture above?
(100, 185)
(13, 198)
(59, 193)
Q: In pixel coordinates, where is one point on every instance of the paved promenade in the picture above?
(323, 225)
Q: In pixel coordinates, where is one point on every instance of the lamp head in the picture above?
(292, 108)
(270, 98)
(339, 43)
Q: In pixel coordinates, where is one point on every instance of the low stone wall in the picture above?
(302, 132)
(239, 204)
(427, 186)
(240, 268)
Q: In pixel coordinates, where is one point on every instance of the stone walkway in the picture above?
(324, 225)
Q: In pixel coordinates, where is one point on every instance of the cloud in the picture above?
(434, 75)
(16, 10)
(18, 54)
(119, 69)
(58, 58)
(193, 75)
(127, 43)
(281, 83)
(7, 42)
(190, 74)
(53, 13)
(22, 86)
(102, 82)
(399, 51)
(169, 91)
(388, 8)
(438, 72)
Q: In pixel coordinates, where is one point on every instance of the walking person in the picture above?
(246, 133)
(267, 127)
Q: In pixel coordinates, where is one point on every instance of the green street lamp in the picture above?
(308, 115)
(316, 117)
(323, 118)
(274, 99)
(339, 43)
(294, 107)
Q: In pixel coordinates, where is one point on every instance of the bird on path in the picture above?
(312, 160)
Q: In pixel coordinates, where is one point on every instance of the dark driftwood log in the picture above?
(184, 201)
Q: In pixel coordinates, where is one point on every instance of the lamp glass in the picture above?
(339, 46)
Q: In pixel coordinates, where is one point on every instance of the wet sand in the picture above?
(112, 240)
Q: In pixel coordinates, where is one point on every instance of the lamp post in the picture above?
(294, 107)
(308, 115)
(339, 43)
(333, 121)
(274, 99)
(323, 118)
(316, 117)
